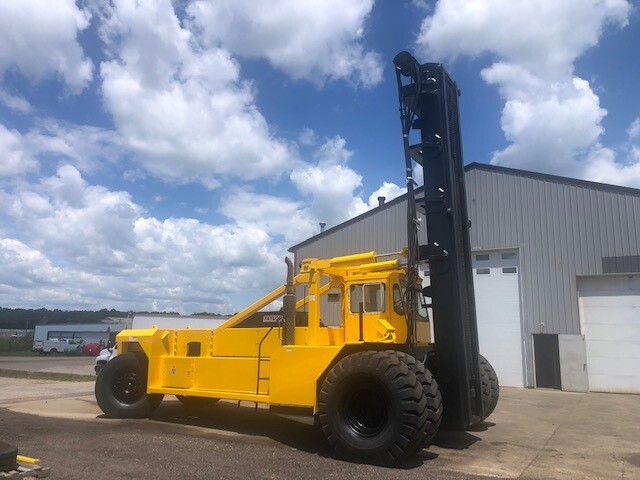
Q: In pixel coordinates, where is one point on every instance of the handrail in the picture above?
(260, 358)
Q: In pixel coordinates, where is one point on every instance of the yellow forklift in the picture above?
(374, 381)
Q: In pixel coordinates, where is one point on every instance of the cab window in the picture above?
(398, 301)
(423, 313)
(371, 295)
(421, 304)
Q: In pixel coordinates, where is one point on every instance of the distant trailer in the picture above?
(87, 332)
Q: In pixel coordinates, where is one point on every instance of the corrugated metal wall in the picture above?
(562, 228)
(384, 232)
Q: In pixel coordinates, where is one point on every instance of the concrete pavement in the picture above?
(533, 434)
(50, 364)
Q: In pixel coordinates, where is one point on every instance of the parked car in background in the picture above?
(92, 349)
(53, 346)
(106, 354)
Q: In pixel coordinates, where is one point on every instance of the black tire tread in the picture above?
(107, 402)
(490, 387)
(433, 396)
(406, 386)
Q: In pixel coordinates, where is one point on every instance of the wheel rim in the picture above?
(128, 387)
(365, 408)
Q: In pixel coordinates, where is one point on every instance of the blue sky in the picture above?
(164, 156)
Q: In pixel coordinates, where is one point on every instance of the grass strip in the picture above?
(60, 377)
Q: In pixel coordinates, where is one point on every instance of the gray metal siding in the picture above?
(384, 232)
(563, 230)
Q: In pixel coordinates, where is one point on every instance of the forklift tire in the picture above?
(433, 395)
(197, 403)
(490, 387)
(121, 388)
(372, 408)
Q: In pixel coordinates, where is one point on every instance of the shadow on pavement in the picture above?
(246, 421)
(455, 439)
(259, 422)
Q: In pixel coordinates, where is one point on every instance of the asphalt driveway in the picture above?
(533, 434)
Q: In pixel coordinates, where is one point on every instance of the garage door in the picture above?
(610, 320)
(495, 278)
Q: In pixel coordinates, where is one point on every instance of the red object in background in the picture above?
(91, 349)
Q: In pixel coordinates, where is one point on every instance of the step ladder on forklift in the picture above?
(260, 360)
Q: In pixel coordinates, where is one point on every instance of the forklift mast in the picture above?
(429, 112)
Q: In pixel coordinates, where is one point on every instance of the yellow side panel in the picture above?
(232, 374)
(294, 373)
(326, 336)
(243, 342)
(228, 374)
(178, 372)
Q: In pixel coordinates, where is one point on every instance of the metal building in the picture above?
(87, 332)
(107, 329)
(556, 265)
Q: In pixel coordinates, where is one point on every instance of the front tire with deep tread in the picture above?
(372, 408)
(432, 394)
(121, 388)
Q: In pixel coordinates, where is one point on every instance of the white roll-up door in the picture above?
(497, 290)
(610, 320)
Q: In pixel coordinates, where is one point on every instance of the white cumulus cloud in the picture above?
(605, 166)
(15, 159)
(330, 184)
(280, 216)
(183, 109)
(15, 102)
(317, 40)
(39, 39)
(387, 190)
(544, 36)
(634, 129)
(87, 147)
(552, 118)
(72, 243)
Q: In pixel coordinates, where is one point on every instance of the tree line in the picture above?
(29, 318)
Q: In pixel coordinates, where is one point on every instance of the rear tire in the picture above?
(490, 387)
(53, 351)
(121, 388)
(372, 408)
